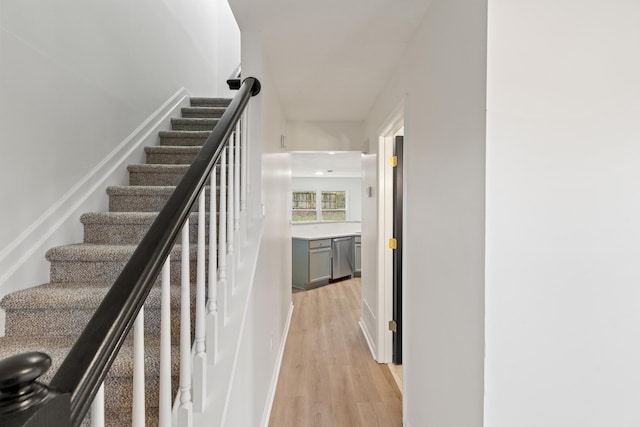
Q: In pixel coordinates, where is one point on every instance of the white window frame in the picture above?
(304, 210)
(319, 210)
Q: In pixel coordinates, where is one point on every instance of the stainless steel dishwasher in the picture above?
(342, 263)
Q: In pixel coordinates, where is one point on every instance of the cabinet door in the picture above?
(319, 264)
(357, 251)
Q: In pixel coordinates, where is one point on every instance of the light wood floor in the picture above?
(328, 377)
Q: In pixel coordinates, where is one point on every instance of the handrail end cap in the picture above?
(255, 89)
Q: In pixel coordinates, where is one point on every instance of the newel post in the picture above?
(24, 402)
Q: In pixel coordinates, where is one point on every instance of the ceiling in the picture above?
(341, 164)
(331, 58)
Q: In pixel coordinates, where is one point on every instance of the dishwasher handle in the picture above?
(321, 249)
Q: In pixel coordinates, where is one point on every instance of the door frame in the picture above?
(398, 228)
(387, 132)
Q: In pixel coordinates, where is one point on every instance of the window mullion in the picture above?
(318, 205)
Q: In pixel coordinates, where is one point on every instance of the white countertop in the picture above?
(325, 230)
(319, 234)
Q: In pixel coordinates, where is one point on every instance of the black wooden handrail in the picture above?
(234, 79)
(86, 365)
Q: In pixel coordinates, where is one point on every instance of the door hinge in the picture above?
(393, 243)
(393, 161)
(393, 326)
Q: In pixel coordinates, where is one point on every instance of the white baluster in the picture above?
(243, 153)
(165, 347)
(222, 248)
(247, 139)
(236, 179)
(185, 411)
(200, 358)
(212, 289)
(138, 406)
(230, 195)
(97, 408)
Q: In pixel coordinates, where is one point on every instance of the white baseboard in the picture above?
(367, 338)
(276, 373)
(22, 262)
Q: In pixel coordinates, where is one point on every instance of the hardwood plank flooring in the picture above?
(328, 377)
(396, 372)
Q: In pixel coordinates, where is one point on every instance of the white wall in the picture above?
(77, 78)
(443, 75)
(325, 136)
(270, 302)
(353, 187)
(226, 48)
(369, 250)
(562, 214)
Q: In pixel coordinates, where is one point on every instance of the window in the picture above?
(332, 206)
(304, 206)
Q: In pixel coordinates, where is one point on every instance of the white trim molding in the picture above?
(386, 132)
(276, 373)
(367, 337)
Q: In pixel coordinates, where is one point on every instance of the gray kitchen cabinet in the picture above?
(311, 262)
(357, 255)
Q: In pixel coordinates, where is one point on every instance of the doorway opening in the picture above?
(390, 220)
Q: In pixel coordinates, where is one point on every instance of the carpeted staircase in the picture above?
(49, 317)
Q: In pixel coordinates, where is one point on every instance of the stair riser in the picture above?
(182, 141)
(209, 113)
(118, 418)
(171, 158)
(194, 125)
(118, 398)
(71, 322)
(104, 271)
(135, 203)
(155, 178)
(121, 391)
(151, 203)
(129, 234)
(210, 102)
(161, 178)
